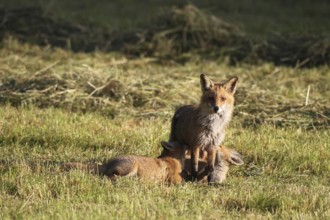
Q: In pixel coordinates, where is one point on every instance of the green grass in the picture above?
(286, 171)
(49, 113)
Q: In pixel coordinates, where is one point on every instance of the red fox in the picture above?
(153, 168)
(166, 168)
(201, 127)
(226, 155)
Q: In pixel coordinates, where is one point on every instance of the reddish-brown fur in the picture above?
(166, 168)
(201, 127)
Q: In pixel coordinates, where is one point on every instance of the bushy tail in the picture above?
(92, 168)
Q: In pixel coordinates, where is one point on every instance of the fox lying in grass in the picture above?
(227, 157)
(166, 168)
(201, 127)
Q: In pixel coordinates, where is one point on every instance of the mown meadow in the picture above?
(59, 106)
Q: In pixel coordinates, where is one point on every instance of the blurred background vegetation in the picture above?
(294, 33)
(258, 18)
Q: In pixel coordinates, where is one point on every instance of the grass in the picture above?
(286, 171)
(61, 106)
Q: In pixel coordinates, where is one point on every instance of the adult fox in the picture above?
(201, 126)
(166, 168)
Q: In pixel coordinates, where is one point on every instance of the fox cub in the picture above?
(166, 168)
(201, 126)
(227, 157)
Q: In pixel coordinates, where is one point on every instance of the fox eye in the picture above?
(223, 99)
(211, 99)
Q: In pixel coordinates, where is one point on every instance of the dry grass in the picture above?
(115, 86)
(178, 34)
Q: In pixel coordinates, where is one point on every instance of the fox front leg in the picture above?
(194, 162)
(211, 162)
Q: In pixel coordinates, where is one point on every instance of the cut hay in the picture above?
(33, 26)
(112, 98)
(262, 107)
(113, 85)
(181, 30)
(93, 83)
(296, 51)
(74, 92)
(178, 34)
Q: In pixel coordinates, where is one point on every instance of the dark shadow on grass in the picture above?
(260, 202)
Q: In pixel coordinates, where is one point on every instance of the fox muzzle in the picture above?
(216, 109)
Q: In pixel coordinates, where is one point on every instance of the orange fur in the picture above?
(201, 127)
(166, 168)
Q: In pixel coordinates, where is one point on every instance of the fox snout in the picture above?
(218, 110)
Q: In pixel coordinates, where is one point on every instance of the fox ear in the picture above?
(230, 85)
(235, 158)
(168, 145)
(206, 83)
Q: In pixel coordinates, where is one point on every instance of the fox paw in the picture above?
(210, 169)
(195, 177)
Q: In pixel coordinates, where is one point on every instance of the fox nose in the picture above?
(216, 109)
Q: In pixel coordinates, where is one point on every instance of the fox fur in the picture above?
(166, 168)
(227, 157)
(202, 126)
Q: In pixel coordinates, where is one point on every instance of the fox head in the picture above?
(173, 149)
(227, 157)
(230, 156)
(218, 98)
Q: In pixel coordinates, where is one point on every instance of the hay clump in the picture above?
(30, 24)
(263, 107)
(182, 30)
(297, 51)
(78, 92)
(179, 34)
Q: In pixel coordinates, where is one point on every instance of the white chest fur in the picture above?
(212, 132)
